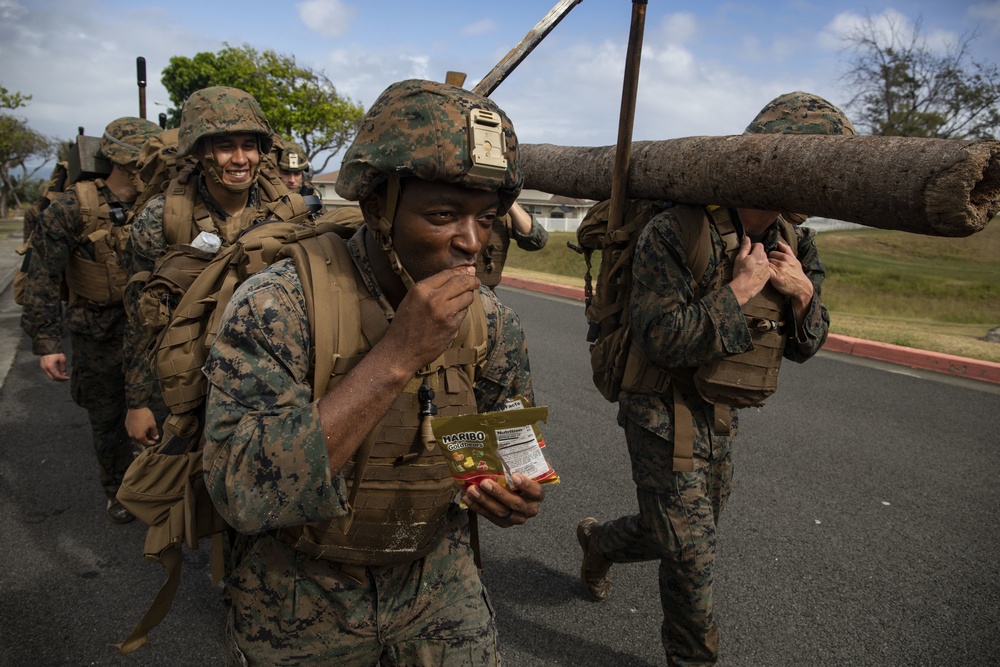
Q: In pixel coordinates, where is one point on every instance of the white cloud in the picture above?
(330, 18)
(680, 28)
(10, 9)
(890, 27)
(988, 14)
(479, 28)
(64, 55)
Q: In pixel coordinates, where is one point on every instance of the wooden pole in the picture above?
(524, 47)
(626, 117)
(140, 79)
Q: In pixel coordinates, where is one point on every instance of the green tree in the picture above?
(19, 145)
(301, 104)
(903, 87)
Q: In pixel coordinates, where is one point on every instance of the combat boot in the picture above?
(117, 512)
(595, 572)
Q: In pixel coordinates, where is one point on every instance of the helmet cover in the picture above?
(800, 113)
(434, 132)
(217, 111)
(123, 139)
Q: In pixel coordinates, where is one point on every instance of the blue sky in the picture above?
(707, 66)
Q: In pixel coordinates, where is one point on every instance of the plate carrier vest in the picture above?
(402, 487)
(100, 280)
(741, 380)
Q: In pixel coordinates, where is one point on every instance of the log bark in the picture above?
(938, 187)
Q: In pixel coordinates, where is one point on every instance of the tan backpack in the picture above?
(100, 280)
(607, 302)
(738, 381)
(613, 360)
(165, 486)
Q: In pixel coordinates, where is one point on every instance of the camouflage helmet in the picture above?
(434, 132)
(219, 110)
(123, 138)
(800, 113)
(292, 157)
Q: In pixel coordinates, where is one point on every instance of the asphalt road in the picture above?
(862, 529)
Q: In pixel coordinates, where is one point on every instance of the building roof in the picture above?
(328, 177)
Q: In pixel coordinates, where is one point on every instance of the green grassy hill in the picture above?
(931, 293)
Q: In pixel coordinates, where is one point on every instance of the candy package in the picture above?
(495, 445)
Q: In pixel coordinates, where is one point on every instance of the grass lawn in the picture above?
(931, 293)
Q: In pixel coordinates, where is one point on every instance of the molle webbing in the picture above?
(181, 207)
(183, 345)
(748, 379)
(739, 380)
(405, 489)
(401, 489)
(185, 214)
(99, 279)
(494, 255)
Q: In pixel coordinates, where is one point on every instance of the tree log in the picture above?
(939, 187)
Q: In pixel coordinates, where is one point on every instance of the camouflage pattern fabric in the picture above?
(56, 239)
(267, 467)
(800, 113)
(421, 128)
(123, 138)
(676, 526)
(98, 386)
(146, 244)
(293, 157)
(489, 269)
(219, 110)
(432, 611)
(678, 324)
(96, 381)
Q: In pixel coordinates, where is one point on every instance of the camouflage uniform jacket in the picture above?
(266, 461)
(56, 239)
(147, 242)
(678, 324)
(535, 239)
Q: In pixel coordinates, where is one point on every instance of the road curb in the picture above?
(949, 364)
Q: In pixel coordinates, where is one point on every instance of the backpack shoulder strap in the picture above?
(90, 205)
(332, 302)
(270, 185)
(181, 206)
(789, 235)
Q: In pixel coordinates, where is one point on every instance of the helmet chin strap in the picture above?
(211, 167)
(383, 231)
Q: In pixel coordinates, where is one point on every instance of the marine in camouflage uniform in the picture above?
(293, 166)
(274, 456)
(526, 232)
(678, 324)
(211, 117)
(96, 329)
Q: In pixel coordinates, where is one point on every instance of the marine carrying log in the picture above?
(940, 187)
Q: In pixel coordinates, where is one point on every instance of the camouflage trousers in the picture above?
(97, 384)
(288, 608)
(676, 525)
